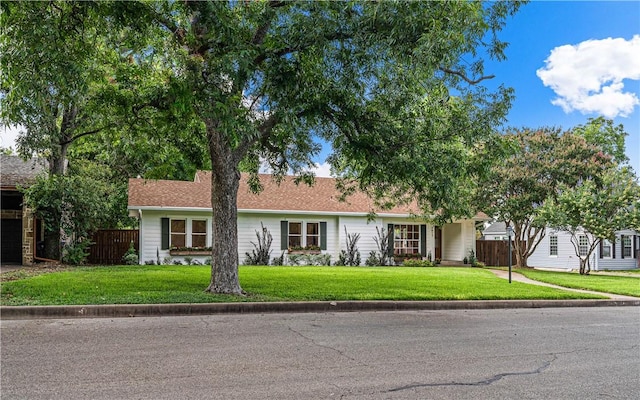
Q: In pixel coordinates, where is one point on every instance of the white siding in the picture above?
(567, 259)
(151, 231)
(452, 242)
(458, 238)
(619, 263)
(249, 223)
(367, 231)
(468, 237)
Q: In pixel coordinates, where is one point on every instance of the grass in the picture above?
(185, 284)
(625, 285)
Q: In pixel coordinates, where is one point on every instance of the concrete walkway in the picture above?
(516, 277)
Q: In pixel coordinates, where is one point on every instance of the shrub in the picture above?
(188, 260)
(261, 253)
(278, 260)
(150, 262)
(167, 260)
(373, 260)
(77, 252)
(351, 256)
(130, 257)
(417, 263)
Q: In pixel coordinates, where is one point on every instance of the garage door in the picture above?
(11, 231)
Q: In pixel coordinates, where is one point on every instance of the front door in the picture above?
(438, 242)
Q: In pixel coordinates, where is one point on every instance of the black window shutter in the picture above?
(390, 232)
(621, 246)
(634, 247)
(165, 233)
(284, 235)
(423, 240)
(323, 235)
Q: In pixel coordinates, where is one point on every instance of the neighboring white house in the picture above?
(495, 231)
(177, 214)
(556, 251)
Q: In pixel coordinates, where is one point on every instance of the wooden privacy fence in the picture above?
(111, 244)
(496, 252)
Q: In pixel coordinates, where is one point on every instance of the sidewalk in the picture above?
(516, 277)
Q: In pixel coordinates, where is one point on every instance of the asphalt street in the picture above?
(549, 353)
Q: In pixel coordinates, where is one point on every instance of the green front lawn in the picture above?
(185, 284)
(625, 285)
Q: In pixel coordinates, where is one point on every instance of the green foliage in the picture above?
(599, 206)
(609, 138)
(350, 256)
(76, 252)
(417, 263)
(373, 260)
(278, 260)
(131, 256)
(382, 242)
(395, 87)
(538, 162)
(261, 254)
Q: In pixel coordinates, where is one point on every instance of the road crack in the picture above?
(484, 382)
(324, 346)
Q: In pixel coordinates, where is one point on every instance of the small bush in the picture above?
(188, 260)
(76, 253)
(278, 260)
(177, 262)
(479, 264)
(150, 262)
(130, 257)
(417, 263)
(168, 260)
(373, 260)
(261, 253)
(207, 261)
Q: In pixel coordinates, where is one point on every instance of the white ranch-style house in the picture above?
(175, 221)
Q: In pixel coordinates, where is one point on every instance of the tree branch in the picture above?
(464, 77)
(91, 132)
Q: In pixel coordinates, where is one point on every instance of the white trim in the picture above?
(289, 212)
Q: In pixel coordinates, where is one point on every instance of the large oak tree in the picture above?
(396, 88)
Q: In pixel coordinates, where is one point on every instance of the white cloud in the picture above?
(322, 170)
(8, 136)
(588, 77)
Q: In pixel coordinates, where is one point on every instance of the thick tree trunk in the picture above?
(53, 234)
(225, 180)
(521, 252)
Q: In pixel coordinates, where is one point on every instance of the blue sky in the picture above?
(588, 56)
(603, 54)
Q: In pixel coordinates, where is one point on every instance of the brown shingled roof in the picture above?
(14, 171)
(287, 196)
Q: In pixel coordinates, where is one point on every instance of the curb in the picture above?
(163, 310)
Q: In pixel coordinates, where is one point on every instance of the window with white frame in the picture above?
(553, 245)
(313, 234)
(606, 248)
(626, 246)
(178, 233)
(303, 235)
(406, 239)
(199, 233)
(583, 245)
(295, 234)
